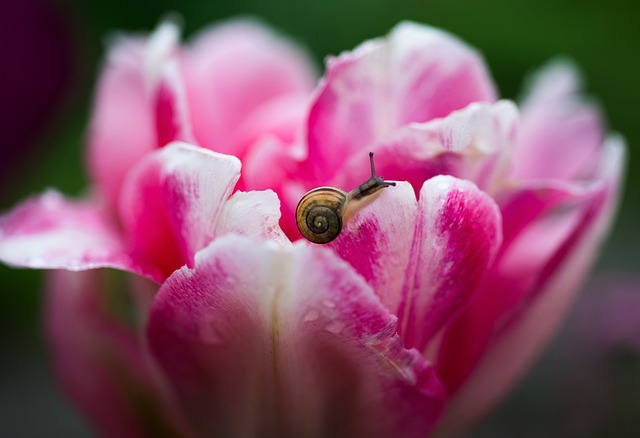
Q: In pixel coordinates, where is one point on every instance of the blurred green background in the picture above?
(514, 36)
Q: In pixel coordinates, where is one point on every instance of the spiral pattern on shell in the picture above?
(319, 214)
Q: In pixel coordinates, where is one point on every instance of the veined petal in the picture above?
(259, 340)
(515, 332)
(232, 70)
(97, 355)
(171, 202)
(376, 241)
(457, 235)
(416, 74)
(123, 125)
(51, 232)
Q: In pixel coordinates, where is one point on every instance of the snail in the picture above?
(321, 212)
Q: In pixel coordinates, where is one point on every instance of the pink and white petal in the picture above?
(271, 163)
(524, 205)
(123, 127)
(121, 130)
(457, 235)
(51, 232)
(473, 143)
(234, 68)
(98, 358)
(171, 202)
(252, 214)
(416, 74)
(522, 334)
(262, 340)
(172, 117)
(557, 122)
(376, 241)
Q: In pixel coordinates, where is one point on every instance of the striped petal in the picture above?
(260, 340)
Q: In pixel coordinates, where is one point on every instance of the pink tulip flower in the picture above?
(417, 319)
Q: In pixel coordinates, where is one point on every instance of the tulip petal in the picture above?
(231, 71)
(416, 74)
(252, 214)
(172, 118)
(457, 235)
(376, 241)
(260, 340)
(557, 122)
(517, 333)
(51, 232)
(281, 117)
(171, 202)
(98, 358)
(123, 126)
(473, 143)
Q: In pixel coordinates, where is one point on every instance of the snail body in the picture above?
(323, 211)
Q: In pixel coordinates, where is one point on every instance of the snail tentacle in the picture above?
(370, 186)
(321, 212)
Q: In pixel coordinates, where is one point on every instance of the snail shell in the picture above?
(319, 214)
(322, 211)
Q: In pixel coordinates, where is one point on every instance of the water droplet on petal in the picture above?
(335, 327)
(311, 315)
(209, 333)
(444, 185)
(329, 303)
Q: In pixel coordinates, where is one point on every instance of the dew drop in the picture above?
(311, 315)
(329, 303)
(335, 327)
(209, 333)
(444, 185)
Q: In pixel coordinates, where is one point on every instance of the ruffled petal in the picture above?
(123, 125)
(490, 346)
(458, 233)
(171, 202)
(416, 74)
(561, 134)
(233, 70)
(258, 340)
(97, 355)
(51, 232)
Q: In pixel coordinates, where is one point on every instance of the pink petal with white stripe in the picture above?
(172, 118)
(416, 74)
(252, 214)
(523, 332)
(233, 69)
(457, 235)
(51, 232)
(376, 242)
(473, 143)
(259, 340)
(171, 202)
(123, 125)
